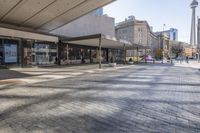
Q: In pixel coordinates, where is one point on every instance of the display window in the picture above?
(44, 53)
(79, 55)
(28, 53)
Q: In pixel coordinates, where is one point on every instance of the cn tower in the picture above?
(193, 5)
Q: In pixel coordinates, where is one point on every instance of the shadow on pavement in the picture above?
(10, 74)
(87, 104)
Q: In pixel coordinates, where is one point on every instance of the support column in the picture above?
(198, 55)
(21, 43)
(171, 60)
(91, 56)
(107, 52)
(163, 56)
(59, 53)
(99, 53)
(137, 55)
(124, 54)
(198, 58)
(145, 56)
(67, 53)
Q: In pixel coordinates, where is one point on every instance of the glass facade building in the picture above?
(98, 12)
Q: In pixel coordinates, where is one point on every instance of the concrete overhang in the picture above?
(45, 15)
(93, 40)
(27, 35)
(137, 46)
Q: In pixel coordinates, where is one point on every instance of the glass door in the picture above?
(28, 53)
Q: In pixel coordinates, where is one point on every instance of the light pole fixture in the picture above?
(164, 27)
(162, 55)
(198, 54)
(163, 37)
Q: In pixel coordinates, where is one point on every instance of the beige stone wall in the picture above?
(135, 31)
(141, 34)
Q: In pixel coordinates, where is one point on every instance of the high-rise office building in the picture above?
(172, 34)
(98, 12)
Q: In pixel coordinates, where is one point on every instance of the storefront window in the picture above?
(94, 55)
(119, 55)
(85, 55)
(28, 52)
(79, 54)
(74, 53)
(104, 55)
(44, 53)
(116, 54)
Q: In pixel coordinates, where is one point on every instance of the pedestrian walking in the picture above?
(187, 59)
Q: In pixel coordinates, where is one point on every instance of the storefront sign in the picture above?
(10, 53)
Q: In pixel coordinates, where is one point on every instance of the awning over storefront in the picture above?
(102, 41)
(27, 35)
(44, 15)
(137, 46)
(106, 42)
(95, 40)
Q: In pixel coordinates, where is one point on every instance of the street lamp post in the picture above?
(163, 43)
(164, 27)
(198, 54)
(163, 56)
(171, 54)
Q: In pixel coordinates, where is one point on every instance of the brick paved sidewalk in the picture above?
(41, 74)
(191, 64)
(136, 99)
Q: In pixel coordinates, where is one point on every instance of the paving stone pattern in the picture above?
(138, 99)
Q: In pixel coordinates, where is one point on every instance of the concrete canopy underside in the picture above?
(6, 32)
(44, 15)
(94, 41)
(137, 46)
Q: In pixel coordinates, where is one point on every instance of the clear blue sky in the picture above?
(173, 13)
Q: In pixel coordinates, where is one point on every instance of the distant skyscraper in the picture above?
(193, 5)
(172, 34)
(198, 33)
(98, 12)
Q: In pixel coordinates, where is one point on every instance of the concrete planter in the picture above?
(112, 64)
